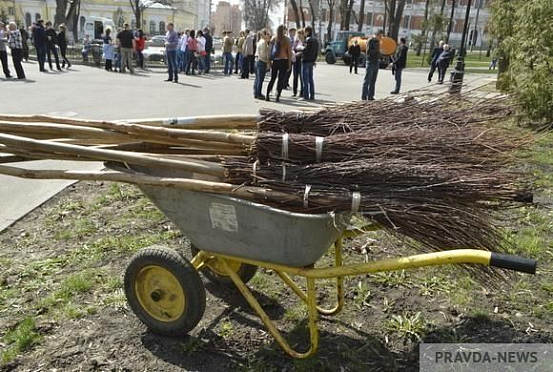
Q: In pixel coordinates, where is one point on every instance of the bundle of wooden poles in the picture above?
(429, 170)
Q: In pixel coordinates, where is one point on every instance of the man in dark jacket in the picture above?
(51, 45)
(373, 62)
(354, 54)
(25, 36)
(399, 63)
(443, 63)
(309, 58)
(39, 39)
(433, 61)
(208, 49)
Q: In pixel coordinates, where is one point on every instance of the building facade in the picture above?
(411, 21)
(154, 18)
(227, 17)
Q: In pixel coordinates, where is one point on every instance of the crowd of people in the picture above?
(16, 40)
(289, 54)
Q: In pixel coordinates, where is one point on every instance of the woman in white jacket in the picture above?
(201, 52)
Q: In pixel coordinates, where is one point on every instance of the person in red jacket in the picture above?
(140, 41)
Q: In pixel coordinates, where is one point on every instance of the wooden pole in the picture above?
(113, 155)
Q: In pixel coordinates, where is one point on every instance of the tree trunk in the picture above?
(313, 13)
(424, 28)
(361, 16)
(343, 14)
(395, 21)
(348, 14)
(385, 22)
(137, 10)
(450, 25)
(296, 13)
(330, 19)
(302, 15)
(61, 9)
(433, 39)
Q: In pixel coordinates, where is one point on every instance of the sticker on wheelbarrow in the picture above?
(223, 217)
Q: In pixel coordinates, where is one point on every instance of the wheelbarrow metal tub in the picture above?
(248, 230)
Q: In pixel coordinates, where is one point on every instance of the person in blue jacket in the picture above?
(39, 40)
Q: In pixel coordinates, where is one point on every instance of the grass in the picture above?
(472, 60)
(19, 339)
(410, 327)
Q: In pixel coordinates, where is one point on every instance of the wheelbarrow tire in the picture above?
(164, 291)
(246, 272)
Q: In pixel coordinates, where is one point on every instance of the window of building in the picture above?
(37, 17)
(133, 24)
(11, 10)
(152, 27)
(369, 19)
(406, 20)
(28, 19)
(161, 26)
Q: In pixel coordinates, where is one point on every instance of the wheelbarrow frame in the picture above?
(339, 271)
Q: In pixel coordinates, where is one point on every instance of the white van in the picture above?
(96, 26)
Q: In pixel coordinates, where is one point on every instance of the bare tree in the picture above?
(314, 8)
(256, 13)
(67, 11)
(331, 5)
(296, 13)
(450, 24)
(138, 7)
(302, 15)
(361, 16)
(438, 25)
(422, 36)
(395, 11)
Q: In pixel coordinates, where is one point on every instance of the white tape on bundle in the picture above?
(283, 172)
(285, 140)
(175, 121)
(306, 196)
(319, 148)
(355, 202)
(255, 165)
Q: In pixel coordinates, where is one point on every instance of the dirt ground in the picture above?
(62, 268)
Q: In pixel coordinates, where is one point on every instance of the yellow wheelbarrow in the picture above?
(231, 238)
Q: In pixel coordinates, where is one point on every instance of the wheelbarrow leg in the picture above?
(199, 260)
(312, 310)
(339, 284)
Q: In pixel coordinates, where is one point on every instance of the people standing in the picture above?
(39, 40)
(434, 59)
(107, 50)
(248, 54)
(25, 36)
(15, 42)
(399, 63)
(171, 43)
(354, 54)
(208, 49)
(201, 52)
(239, 58)
(86, 48)
(140, 44)
(182, 50)
(125, 39)
(371, 70)
(443, 63)
(297, 51)
(191, 51)
(281, 56)
(262, 55)
(309, 58)
(227, 52)
(3, 51)
(62, 42)
(51, 45)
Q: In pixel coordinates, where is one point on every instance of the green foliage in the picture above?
(524, 29)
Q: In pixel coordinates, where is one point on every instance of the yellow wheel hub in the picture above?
(216, 266)
(160, 293)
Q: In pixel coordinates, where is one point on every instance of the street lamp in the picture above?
(459, 72)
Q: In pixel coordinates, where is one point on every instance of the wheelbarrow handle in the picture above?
(507, 261)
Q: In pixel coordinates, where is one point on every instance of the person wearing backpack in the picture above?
(281, 60)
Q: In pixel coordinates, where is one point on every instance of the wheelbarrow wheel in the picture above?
(214, 273)
(164, 291)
